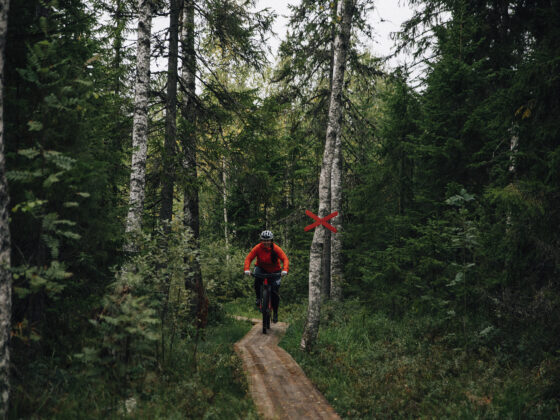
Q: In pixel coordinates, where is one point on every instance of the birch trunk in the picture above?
(326, 268)
(336, 240)
(170, 113)
(5, 274)
(188, 139)
(224, 196)
(344, 16)
(140, 122)
(513, 144)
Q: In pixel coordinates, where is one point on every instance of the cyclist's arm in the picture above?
(250, 258)
(283, 257)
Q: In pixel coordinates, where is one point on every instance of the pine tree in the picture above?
(169, 153)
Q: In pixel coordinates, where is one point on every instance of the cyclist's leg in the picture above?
(275, 297)
(258, 283)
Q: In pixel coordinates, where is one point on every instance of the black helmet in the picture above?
(266, 235)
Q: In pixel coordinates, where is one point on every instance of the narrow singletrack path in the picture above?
(277, 384)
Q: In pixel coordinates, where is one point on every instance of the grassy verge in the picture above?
(212, 388)
(371, 366)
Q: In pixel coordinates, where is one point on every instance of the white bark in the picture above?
(513, 149)
(224, 197)
(140, 121)
(514, 142)
(336, 239)
(326, 268)
(344, 12)
(5, 274)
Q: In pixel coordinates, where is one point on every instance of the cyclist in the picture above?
(268, 261)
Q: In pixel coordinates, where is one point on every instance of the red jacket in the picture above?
(264, 261)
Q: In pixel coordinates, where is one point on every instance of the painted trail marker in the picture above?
(320, 221)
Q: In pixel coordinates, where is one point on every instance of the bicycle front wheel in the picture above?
(265, 309)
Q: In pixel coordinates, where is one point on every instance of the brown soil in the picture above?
(277, 384)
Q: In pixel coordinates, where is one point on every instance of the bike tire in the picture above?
(265, 309)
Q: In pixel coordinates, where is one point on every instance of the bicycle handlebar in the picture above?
(265, 276)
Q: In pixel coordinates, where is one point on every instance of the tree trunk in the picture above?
(117, 45)
(140, 122)
(188, 139)
(345, 11)
(326, 268)
(5, 274)
(188, 113)
(168, 178)
(336, 239)
(224, 197)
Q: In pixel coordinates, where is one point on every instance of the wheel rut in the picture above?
(277, 384)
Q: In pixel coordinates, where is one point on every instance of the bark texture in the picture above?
(140, 121)
(344, 16)
(326, 268)
(189, 143)
(170, 113)
(224, 199)
(188, 113)
(336, 239)
(117, 44)
(5, 274)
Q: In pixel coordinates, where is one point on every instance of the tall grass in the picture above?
(371, 366)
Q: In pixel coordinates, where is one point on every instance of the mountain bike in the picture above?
(266, 301)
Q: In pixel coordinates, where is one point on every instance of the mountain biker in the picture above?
(268, 261)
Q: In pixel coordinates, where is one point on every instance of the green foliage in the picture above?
(371, 365)
(222, 269)
(145, 311)
(213, 386)
(451, 211)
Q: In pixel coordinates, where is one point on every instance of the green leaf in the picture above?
(28, 206)
(60, 160)
(21, 292)
(459, 278)
(22, 176)
(29, 153)
(34, 125)
(37, 282)
(52, 179)
(68, 234)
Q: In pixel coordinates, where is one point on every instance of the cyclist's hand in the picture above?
(247, 273)
(284, 273)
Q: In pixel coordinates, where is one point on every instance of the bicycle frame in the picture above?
(266, 301)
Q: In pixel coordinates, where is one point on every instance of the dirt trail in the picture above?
(277, 384)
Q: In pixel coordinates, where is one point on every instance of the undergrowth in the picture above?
(371, 366)
(213, 387)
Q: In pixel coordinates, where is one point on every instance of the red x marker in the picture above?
(321, 221)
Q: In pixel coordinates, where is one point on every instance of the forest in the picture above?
(140, 161)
